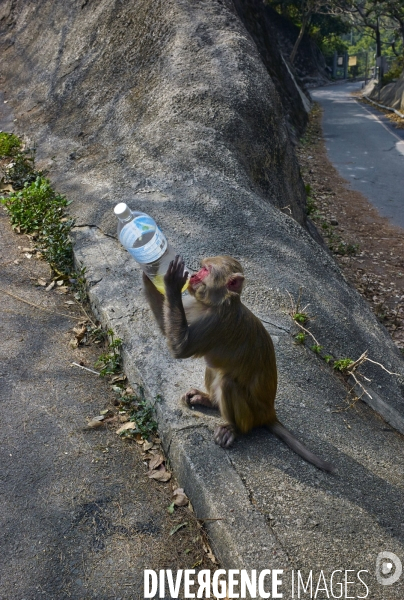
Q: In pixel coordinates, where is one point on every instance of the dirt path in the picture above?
(80, 519)
(369, 250)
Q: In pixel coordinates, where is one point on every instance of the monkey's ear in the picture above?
(235, 283)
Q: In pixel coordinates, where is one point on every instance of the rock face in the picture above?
(153, 89)
(390, 95)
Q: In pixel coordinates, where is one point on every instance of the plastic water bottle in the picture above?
(145, 241)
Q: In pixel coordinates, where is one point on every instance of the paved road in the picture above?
(365, 148)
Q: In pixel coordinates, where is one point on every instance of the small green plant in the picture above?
(9, 144)
(316, 348)
(300, 337)
(144, 419)
(301, 317)
(342, 364)
(111, 361)
(77, 281)
(394, 72)
(21, 170)
(311, 206)
(140, 412)
(347, 249)
(327, 358)
(38, 210)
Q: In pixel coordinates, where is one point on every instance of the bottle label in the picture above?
(143, 239)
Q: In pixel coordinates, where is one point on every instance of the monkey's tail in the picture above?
(286, 436)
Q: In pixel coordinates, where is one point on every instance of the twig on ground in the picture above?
(53, 312)
(74, 364)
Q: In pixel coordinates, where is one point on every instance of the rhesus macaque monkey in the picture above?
(241, 375)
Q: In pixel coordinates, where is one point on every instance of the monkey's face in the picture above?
(218, 277)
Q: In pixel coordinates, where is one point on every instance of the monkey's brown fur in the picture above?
(241, 374)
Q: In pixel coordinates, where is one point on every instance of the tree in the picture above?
(394, 10)
(303, 12)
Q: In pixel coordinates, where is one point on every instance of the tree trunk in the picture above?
(378, 40)
(305, 22)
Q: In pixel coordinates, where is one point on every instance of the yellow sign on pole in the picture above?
(352, 61)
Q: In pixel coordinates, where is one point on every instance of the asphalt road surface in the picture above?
(365, 148)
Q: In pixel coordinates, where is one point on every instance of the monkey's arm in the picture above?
(155, 300)
(184, 340)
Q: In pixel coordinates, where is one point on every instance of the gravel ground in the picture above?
(80, 519)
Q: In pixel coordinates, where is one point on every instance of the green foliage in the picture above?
(331, 43)
(38, 210)
(396, 68)
(9, 144)
(316, 348)
(78, 286)
(111, 361)
(21, 169)
(300, 337)
(342, 364)
(144, 419)
(140, 412)
(301, 317)
(347, 249)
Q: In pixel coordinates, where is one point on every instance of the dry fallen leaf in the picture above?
(125, 427)
(160, 475)
(80, 332)
(6, 187)
(42, 282)
(147, 446)
(96, 422)
(156, 461)
(180, 498)
(120, 377)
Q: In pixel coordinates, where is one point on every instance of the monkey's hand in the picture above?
(176, 277)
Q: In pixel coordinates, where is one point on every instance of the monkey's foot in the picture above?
(224, 436)
(194, 396)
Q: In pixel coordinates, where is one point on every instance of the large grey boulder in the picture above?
(391, 95)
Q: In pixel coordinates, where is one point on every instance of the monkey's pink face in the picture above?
(196, 279)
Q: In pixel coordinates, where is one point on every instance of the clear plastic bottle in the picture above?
(145, 241)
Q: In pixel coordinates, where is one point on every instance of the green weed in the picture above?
(300, 337)
(9, 144)
(140, 412)
(111, 361)
(38, 210)
(342, 364)
(301, 317)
